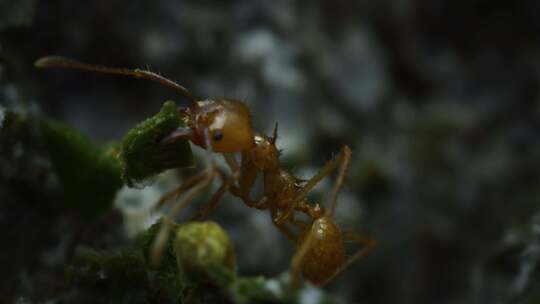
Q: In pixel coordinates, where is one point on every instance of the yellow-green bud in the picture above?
(203, 247)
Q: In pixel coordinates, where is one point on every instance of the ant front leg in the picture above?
(174, 194)
(246, 175)
(192, 187)
(216, 197)
(197, 183)
(343, 159)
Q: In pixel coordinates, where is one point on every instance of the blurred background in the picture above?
(438, 100)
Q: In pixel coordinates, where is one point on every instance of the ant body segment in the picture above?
(224, 126)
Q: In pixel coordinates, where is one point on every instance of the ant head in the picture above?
(225, 124)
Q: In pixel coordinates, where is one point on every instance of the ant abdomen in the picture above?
(325, 254)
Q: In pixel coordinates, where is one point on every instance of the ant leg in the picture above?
(287, 232)
(339, 181)
(216, 197)
(179, 133)
(261, 204)
(200, 182)
(189, 183)
(231, 162)
(236, 171)
(212, 203)
(313, 211)
(298, 258)
(245, 174)
(367, 245)
(163, 234)
(281, 226)
(300, 224)
(342, 158)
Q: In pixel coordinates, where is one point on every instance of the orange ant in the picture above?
(224, 126)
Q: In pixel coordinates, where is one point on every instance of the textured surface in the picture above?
(438, 100)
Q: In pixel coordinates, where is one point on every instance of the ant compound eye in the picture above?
(217, 136)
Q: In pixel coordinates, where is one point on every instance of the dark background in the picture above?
(438, 100)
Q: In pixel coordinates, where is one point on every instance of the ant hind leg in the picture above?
(287, 232)
(343, 161)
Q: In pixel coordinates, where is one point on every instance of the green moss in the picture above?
(142, 154)
(247, 290)
(89, 174)
(110, 278)
(107, 271)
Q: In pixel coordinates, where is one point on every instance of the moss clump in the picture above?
(107, 271)
(89, 174)
(109, 278)
(142, 154)
(92, 175)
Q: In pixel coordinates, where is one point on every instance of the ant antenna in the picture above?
(66, 63)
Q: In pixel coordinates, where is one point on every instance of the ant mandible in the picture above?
(223, 126)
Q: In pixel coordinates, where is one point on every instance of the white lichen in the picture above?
(136, 208)
(312, 295)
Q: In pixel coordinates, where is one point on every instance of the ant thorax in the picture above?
(264, 154)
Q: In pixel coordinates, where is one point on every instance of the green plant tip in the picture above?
(143, 156)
